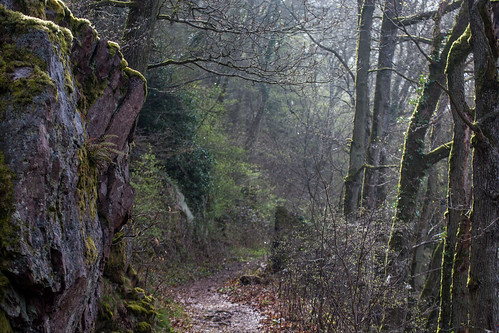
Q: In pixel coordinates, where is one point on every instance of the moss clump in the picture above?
(142, 308)
(144, 327)
(14, 23)
(60, 14)
(107, 311)
(91, 253)
(114, 48)
(132, 72)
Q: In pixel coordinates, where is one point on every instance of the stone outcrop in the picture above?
(68, 104)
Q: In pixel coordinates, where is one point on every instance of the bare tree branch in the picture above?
(114, 3)
(420, 17)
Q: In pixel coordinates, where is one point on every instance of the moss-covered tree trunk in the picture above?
(430, 209)
(484, 264)
(414, 164)
(373, 192)
(353, 180)
(458, 199)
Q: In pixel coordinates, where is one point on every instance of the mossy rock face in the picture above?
(60, 88)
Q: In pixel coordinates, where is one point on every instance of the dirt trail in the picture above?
(211, 311)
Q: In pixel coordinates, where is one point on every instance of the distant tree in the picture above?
(358, 144)
(373, 189)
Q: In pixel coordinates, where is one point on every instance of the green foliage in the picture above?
(123, 308)
(174, 120)
(101, 151)
(148, 180)
(192, 170)
(236, 182)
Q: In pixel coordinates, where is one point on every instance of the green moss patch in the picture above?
(91, 253)
(22, 74)
(142, 308)
(4, 323)
(6, 205)
(132, 72)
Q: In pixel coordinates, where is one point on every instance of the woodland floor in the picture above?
(221, 303)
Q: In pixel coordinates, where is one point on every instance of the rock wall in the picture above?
(68, 104)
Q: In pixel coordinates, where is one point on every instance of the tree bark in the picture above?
(353, 180)
(484, 264)
(458, 199)
(139, 28)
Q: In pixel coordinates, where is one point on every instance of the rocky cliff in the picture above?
(68, 104)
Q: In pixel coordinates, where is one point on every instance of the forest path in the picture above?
(209, 308)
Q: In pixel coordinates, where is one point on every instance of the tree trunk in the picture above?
(139, 28)
(353, 180)
(373, 193)
(414, 164)
(430, 209)
(484, 264)
(458, 199)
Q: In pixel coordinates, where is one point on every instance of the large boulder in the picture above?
(68, 104)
